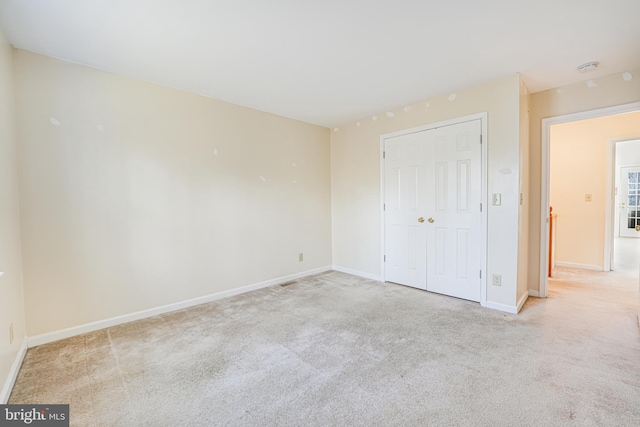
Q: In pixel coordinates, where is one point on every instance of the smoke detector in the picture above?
(589, 66)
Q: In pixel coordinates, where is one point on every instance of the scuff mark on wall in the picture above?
(54, 121)
(453, 97)
(390, 114)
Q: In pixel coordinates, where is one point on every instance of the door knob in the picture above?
(637, 227)
(431, 220)
(421, 219)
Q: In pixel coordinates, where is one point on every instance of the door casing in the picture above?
(484, 187)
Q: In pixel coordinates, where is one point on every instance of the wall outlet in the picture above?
(11, 333)
(497, 280)
(587, 197)
(300, 256)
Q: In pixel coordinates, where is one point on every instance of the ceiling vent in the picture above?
(589, 66)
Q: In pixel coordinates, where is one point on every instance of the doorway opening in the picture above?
(579, 180)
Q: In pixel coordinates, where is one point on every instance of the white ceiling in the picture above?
(330, 62)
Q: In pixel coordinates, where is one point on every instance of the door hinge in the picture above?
(384, 154)
(384, 206)
(481, 274)
(480, 138)
(480, 207)
(385, 258)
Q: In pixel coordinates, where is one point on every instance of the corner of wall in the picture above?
(12, 309)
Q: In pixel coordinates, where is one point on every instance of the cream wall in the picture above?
(355, 179)
(608, 91)
(11, 293)
(135, 195)
(578, 153)
(523, 211)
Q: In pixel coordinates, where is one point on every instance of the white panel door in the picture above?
(454, 238)
(405, 203)
(432, 210)
(629, 201)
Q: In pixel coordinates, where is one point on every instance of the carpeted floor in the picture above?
(335, 349)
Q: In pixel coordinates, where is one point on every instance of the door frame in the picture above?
(483, 185)
(545, 183)
(612, 147)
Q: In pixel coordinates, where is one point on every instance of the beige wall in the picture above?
(355, 174)
(611, 90)
(135, 195)
(523, 211)
(11, 294)
(578, 160)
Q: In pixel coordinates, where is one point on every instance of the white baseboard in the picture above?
(357, 273)
(48, 337)
(502, 307)
(13, 373)
(521, 301)
(534, 293)
(582, 266)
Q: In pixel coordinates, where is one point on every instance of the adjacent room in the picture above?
(330, 213)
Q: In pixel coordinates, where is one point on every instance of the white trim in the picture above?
(534, 293)
(357, 273)
(521, 301)
(118, 320)
(13, 373)
(483, 198)
(609, 204)
(382, 218)
(544, 175)
(582, 266)
(502, 307)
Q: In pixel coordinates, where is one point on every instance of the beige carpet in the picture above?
(335, 349)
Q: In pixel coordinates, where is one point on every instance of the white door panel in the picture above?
(405, 200)
(454, 238)
(629, 201)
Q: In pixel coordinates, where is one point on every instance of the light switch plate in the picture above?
(587, 197)
(496, 200)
